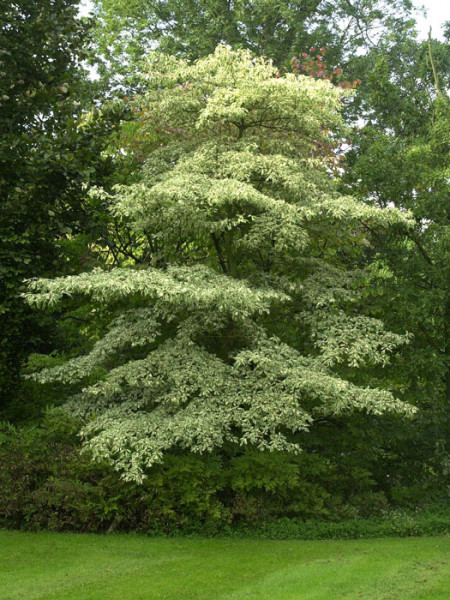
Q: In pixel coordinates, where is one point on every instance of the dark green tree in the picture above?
(400, 157)
(48, 152)
(276, 29)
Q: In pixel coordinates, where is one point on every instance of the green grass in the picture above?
(55, 566)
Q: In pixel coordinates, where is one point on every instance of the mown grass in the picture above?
(52, 566)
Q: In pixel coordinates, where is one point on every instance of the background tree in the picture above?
(278, 30)
(400, 158)
(47, 154)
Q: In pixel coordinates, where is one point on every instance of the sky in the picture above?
(438, 11)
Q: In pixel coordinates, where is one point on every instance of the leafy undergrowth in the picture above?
(53, 566)
(392, 524)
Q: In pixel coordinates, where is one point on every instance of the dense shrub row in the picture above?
(47, 484)
(392, 524)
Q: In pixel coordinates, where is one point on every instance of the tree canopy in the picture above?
(276, 29)
(245, 323)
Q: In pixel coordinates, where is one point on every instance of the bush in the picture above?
(47, 484)
(393, 524)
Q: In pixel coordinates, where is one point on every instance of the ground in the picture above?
(52, 566)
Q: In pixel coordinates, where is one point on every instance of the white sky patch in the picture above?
(85, 8)
(438, 11)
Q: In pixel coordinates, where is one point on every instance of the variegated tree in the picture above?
(246, 307)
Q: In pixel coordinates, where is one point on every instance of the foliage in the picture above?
(246, 319)
(48, 153)
(393, 524)
(400, 158)
(47, 485)
(314, 65)
(275, 29)
(217, 359)
(398, 88)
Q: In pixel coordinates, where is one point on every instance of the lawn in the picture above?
(54, 566)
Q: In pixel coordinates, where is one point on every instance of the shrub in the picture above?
(48, 485)
(393, 524)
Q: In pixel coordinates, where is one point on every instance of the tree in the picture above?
(243, 321)
(48, 151)
(400, 158)
(272, 28)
